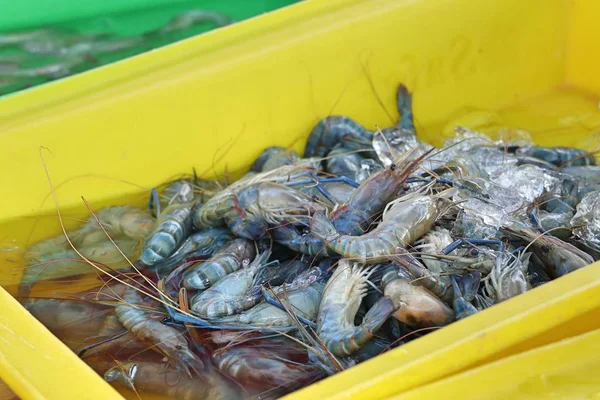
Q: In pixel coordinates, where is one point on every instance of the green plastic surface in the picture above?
(119, 18)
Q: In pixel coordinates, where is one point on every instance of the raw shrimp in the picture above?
(72, 321)
(559, 257)
(212, 213)
(344, 163)
(405, 221)
(164, 339)
(432, 244)
(229, 259)
(153, 377)
(274, 157)
(302, 242)
(268, 204)
(199, 245)
(262, 368)
(173, 226)
(559, 156)
(303, 300)
(119, 221)
(337, 129)
(586, 221)
(438, 284)
(415, 306)
(230, 294)
(180, 191)
(355, 216)
(65, 263)
(122, 222)
(341, 300)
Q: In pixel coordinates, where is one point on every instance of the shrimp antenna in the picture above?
(116, 246)
(387, 143)
(64, 230)
(337, 366)
(365, 68)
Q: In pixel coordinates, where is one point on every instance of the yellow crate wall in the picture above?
(214, 102)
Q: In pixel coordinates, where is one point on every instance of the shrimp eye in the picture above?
(474, 252)
(392, 167)
(545, 248)
(315, 197)
(179, 347)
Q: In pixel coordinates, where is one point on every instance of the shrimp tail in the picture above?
(378, 314)
(469, 284)
(191, 364)
(404, 103)
(463, 289)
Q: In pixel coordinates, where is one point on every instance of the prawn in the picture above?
(415, 306)
(173, 226)
(341, 300)
(147, 376)
(229, 259)
(198, 245)
(64, 263)
(212, 213)
(302, 242)
(559, 257)
(164, 339)
(268, 204)
(337, 129)
(439, 285)
(230, 294)
(262, 368)
(465, 291)
(404, 222)
(274, 157)
(303, 297)
(355, 216)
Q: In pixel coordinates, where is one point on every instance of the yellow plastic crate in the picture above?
(215, 101)
(568, 369)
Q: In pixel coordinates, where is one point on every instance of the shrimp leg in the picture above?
(154, 202)
(404, 104)
(318, 183)
(456, 244)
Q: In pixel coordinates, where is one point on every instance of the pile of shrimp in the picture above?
(310, 265)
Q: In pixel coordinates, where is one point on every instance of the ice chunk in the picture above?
(492, 160)
(367, 168)
(393, 142)
(587, 219)
(479, 219)
(465, 140)
(529, 181)
(508, 200)
(557, 223)
(508, 137)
